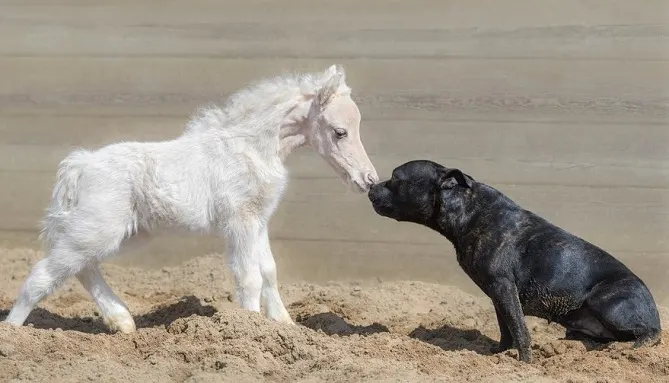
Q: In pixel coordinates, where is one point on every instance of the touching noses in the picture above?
(371, 178)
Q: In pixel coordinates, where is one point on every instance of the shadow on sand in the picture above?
(333, 324)
(161, 316)
(446, 337)
(451, 338)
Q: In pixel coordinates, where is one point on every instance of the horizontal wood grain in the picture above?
(104, 78)
(585, 143)
(432, 29)
(474, 89)
(563, 106)
(326, 212)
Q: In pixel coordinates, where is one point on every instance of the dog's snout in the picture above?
(376, 191)
(371, 193)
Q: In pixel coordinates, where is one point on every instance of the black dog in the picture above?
(525, 264)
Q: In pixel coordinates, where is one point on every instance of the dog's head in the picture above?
(414, 192)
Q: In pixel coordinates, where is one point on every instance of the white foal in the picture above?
(224, 175)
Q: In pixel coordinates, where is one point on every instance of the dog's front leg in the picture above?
(506, 339)
(505, 299)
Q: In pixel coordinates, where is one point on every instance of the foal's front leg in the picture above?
(243, 258)
(274, 306)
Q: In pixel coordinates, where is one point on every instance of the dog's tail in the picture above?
(65, 192)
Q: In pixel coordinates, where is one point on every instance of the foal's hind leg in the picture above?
(114, 312)
(46, 276)
(88, 239)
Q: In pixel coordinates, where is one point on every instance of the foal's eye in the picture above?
(341, 133)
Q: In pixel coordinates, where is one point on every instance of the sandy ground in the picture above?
(562, 105)
(191, 330)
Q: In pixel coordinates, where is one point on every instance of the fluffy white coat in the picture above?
(223, 176)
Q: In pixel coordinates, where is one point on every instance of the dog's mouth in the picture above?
(379, 203)
(381, 209)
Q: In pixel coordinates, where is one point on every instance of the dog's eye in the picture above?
(340, 133)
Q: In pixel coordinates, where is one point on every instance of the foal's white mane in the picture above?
(248, 110)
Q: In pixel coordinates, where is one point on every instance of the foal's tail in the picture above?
(65, 192)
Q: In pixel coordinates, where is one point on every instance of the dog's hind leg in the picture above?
(582, 324)
(650, 338)
(628, 311)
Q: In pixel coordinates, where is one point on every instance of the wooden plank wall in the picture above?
(563, 105)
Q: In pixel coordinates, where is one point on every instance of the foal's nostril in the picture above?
(371, 179)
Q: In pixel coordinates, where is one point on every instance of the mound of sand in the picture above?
(191, 330)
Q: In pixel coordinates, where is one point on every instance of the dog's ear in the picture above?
(448, 178)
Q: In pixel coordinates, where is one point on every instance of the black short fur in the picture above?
(525, 264)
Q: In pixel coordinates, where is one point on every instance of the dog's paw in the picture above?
(525, 356)
(500, 348)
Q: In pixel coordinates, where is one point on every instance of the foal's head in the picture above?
(334, 131)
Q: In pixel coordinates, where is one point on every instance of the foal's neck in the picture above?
(293, 130)
(274, 134)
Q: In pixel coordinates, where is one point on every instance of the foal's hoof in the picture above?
(288, 321)
(121, 323)
(283, 318)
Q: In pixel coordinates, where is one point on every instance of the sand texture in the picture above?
(190, 329)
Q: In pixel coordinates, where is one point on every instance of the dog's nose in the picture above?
(371, 194)
(371, 179)
(373, 191)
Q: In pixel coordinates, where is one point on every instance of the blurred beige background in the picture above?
(563, 105)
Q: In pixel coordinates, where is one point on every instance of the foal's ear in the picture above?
(448, 178)
(335, 77)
